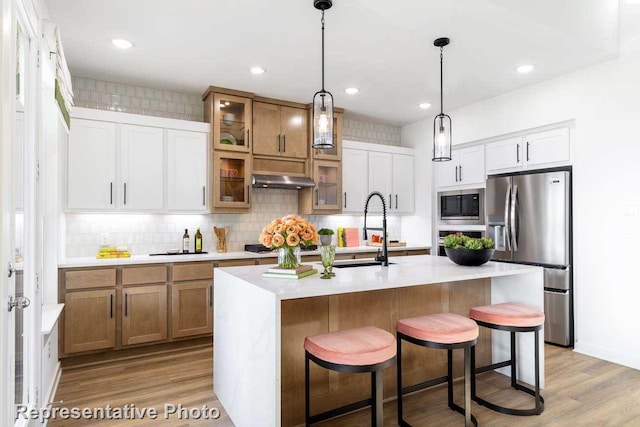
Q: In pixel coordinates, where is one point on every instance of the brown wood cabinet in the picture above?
(334, 153)
(326, 196)
(229, 112)
(279, 130)
(231, 182)
(144, 314)
(191, 308)
(89, 320)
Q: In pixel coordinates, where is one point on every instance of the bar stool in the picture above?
(513, 318)
(443, 331)
(359, 350)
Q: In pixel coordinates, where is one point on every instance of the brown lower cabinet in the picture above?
(191, 308)
(144, 314)
(90, 320)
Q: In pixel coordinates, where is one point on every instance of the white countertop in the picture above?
(212, 256)
(407, 271)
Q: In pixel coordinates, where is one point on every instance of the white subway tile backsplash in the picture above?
(90, 84)
(101, 86)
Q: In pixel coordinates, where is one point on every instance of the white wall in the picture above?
(603, 100)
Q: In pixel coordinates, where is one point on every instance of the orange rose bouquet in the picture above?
(287, 234)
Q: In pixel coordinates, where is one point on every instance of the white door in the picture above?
(505, 154)
(380, 176)
(403, 183)
(471, 165)
(547, 147)
(187, 171)
(447, 172)
(91, 176)
(354, 184)
(141, 177)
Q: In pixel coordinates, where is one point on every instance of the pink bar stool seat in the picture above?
(355, 347)
(508, 314)
(443, 328)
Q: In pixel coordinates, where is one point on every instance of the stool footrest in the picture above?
(492, 367)
(340, 411)
(423, 385)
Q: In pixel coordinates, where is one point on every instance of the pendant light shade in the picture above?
(322, 100)
(442, 122)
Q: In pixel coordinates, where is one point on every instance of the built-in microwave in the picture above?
(462, 207)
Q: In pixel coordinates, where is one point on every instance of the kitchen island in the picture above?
(260, 325)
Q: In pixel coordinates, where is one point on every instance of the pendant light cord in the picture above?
(322, 21)
(441, 95)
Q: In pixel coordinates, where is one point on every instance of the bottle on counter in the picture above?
(185, 242)
(198, 241)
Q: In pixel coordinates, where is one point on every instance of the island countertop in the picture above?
(402, 272)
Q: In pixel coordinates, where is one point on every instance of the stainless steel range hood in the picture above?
(282, 181)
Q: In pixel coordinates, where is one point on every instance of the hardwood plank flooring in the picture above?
(581, 391)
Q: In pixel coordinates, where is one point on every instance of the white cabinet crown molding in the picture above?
(138, 119)
(393, 149)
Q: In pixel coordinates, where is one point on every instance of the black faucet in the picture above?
(385, 257)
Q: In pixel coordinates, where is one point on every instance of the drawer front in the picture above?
(142, 275)
(236, 262)
(87, 279)
(192, 271)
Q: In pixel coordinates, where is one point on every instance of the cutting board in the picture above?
(389, 245)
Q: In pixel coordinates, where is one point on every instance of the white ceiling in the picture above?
(384, 48)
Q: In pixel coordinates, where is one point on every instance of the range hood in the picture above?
(282, 181)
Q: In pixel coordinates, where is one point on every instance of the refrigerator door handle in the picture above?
(507, 223)
(514, 213)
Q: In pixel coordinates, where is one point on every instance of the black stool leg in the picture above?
(399, 378)
(450, 378)
(537, 362)
(376, 397)
(473, 372)
(514, 368)
(307, 409)
(467, 387)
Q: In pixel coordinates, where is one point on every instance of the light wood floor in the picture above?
(581, 391)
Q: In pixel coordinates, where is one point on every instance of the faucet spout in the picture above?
(385, 256)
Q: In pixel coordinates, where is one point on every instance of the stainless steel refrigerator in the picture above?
(529, 217)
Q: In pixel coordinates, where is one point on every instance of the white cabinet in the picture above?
(403, 183)
(141, 177)
(187, 171)
(530, 151)
(465, 168)
(373, 167)
(91, 175)
(354, 184)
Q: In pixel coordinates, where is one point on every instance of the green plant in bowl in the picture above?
(469, 251)
(325, 236)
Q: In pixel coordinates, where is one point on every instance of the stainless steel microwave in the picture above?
(462, 207)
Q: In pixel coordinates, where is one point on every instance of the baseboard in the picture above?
(630, 360)
(53, 387)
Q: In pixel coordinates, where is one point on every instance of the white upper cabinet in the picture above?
(373, 167)
(91, 175)
(403, 183)
(141, 182)
(187, 171)
(530, 151)
(354, 186)
(466, 168)
(547, 147)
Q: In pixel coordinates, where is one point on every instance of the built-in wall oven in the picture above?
(461, 207)
(443, 233)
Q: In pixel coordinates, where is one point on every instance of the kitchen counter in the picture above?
(212, 256)
(260, 325)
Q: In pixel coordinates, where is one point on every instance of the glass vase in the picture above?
(289, 257)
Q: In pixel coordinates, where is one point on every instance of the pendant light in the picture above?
(442, 122)
(322, 100)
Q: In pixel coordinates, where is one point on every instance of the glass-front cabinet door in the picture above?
(231, 123)
(328, 191)
(231, 180)
(334, 153)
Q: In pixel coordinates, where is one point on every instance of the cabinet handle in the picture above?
(316, 197)
(111, 306)
(517, 153)
(284, 143)
(456, 174)
(203, 195)
(345, 199)
(211, 296)
(460, 173)
(279, 143)
(527, 151)
(390, 201)
(248, 138)
(125, 193)
(396, 201)
(111, 193)
(126, 304)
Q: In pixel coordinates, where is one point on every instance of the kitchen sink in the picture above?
(363, 263)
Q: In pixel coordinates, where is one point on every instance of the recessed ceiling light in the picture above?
(352, 90)
(257, 70)
(122, 43)
(424, 105)
(523, 69)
